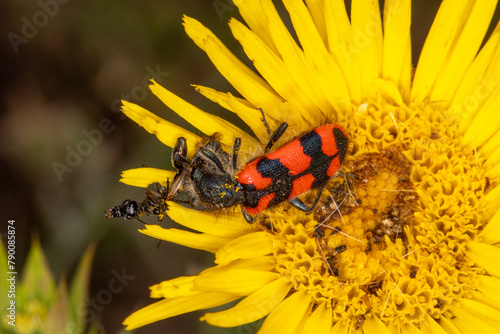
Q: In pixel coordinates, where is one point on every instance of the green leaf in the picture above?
(58, 316)
(80, 288)
(4, 284)
(37, 280)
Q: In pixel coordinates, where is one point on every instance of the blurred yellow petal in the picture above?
(144, 176)
(232, 226)
(165, 131)
(201, 241)
(245, 247)
(236, 281)
(287, 316)
(485, 256)
(262, 263)
(252, 308)
(177, 287)
(168, 308)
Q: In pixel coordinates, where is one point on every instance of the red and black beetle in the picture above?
(305, 163)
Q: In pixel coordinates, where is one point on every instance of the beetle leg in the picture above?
(178, 181)
(247, 216)
(236, 150)
(276, 136)
(296, 202)
(265, 121)
(212, 157)
(179, 155)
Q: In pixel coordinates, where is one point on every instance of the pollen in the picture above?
(387, 238)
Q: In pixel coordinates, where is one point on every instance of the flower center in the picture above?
(386, 238)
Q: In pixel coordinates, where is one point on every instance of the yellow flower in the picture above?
(407, 238)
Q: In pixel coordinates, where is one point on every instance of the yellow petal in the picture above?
(262, 263)
(491, 233)
(440, 40)
(343, 47)
(254, 16)
(236, 281)
(467, 322)
(144, 176)
(244, 80)
(245, 247)
(177, 287)
(485, 123)
(449, 326)
(397, 65)
(244, 109)
(340, 328)
(272, 69)
(368, 39)
(253, 118)
(477, 84)
(485, 256)
(410, 329)
(293, 58)
(171, 307)
(331, 86)
(484, 312)
(318, 15)
(287, 316)
(205, 122)
(492, 200)
(165, 131)
(492, 165)
(374, 325)
(233, 225)
(464, 49)
(202, 241)
(252, 308)
(491, 145)
(320, 321)
(489, 291)
(430, 326)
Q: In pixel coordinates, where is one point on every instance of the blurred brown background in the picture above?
(64, 67)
